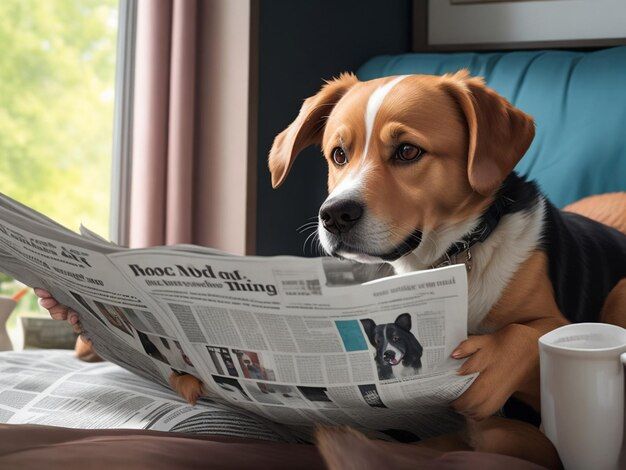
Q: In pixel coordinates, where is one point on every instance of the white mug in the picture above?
(582, 394)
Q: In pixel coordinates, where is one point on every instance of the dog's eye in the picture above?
(339, 156)
(408, 153)
(395, 339)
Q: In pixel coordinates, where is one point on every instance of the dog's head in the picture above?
(391, 340)
(413, 160)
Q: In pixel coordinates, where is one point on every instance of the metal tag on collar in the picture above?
(448, 260)
(468, 256)
(468, 260)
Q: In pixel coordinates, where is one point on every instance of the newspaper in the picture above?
(298, 341)
(56, 389)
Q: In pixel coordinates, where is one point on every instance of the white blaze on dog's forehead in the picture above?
(373, 105)
(351, 183)
(347, 185)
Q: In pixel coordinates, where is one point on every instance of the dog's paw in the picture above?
(505, 360)
(84, 350)
(187, 386)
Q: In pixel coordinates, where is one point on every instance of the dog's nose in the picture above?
(389, 355)
(340, 216)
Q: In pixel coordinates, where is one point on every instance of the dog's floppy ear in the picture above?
(404, 321)
(369, 326)
(499, 133)
(308, 127)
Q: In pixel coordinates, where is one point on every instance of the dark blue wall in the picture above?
(302, 42)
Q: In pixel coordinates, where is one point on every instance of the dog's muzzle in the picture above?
(340, 219)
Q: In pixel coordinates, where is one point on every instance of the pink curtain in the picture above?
(194, 162)
(161, 200)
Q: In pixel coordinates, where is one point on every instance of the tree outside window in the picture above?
(57, 70)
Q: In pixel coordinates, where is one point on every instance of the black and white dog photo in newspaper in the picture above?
(398, 352)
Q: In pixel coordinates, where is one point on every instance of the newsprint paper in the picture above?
(296, 341)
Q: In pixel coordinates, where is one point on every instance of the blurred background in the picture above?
(57, 81)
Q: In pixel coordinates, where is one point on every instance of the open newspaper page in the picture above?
(284, 338)
(79, 274)
(298, 341)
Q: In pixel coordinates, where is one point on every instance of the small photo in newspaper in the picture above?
(348, 273)
(371, 396)
(81, 300)
(222, 361)
(232, 388)
(317, 397)
(115, 317)
(168, 351)
(395, 347)
(273, 394)
(252, 365)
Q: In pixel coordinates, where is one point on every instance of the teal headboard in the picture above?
(578, 100)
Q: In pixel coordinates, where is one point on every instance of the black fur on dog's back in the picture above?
(586, 259)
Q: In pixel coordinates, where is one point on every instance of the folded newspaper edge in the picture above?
(54, 388)
(297, 341)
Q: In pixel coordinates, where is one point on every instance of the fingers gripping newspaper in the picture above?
(294, 340)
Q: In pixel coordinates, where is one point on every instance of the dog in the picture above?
(420, 174)
(398, 352)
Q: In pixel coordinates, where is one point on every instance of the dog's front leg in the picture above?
(508, 362)
(187, 386)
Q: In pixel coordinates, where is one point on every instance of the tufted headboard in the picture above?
(578, 100)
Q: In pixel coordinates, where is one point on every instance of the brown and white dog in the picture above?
(420, 173)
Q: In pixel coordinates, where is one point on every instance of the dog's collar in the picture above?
(409, 244)
(461, 250)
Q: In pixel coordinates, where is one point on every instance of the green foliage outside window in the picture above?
(57, 69)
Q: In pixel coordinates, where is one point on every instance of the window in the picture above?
(57, 94)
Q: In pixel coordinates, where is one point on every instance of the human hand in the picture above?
(58, 311)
